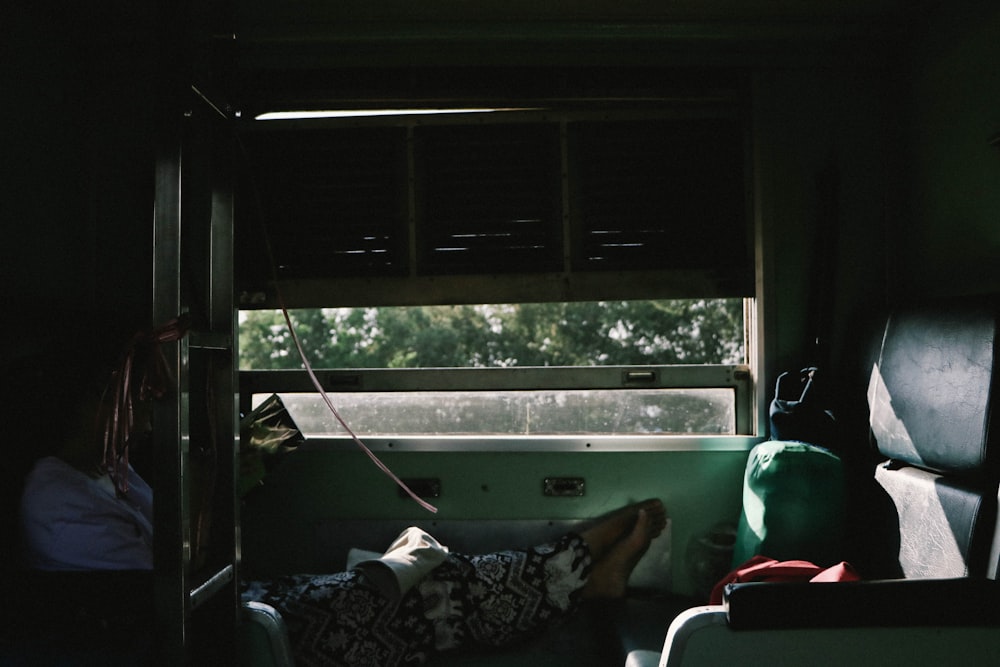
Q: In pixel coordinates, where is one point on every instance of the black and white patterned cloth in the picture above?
(488, 600)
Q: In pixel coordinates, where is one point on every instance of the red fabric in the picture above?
(761, 568)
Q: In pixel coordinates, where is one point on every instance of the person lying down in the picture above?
(419, 599)
(84, 507)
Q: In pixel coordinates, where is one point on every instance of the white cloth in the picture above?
(407, 560)
(71, 521)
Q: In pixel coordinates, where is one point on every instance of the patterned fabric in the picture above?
(493, 600)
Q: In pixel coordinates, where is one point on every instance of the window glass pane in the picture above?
(548, 412)
(595, 333)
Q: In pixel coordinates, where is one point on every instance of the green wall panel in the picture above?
(700, 489)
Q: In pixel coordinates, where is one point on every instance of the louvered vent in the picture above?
(662, 194)
(488, 199)
(334, 201)
(662, 200)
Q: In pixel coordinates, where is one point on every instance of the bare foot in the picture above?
(610, 528)
(609, 577)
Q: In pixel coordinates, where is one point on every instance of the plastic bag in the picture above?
(798, 413)
(265, 435)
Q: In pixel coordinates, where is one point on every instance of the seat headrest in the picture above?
(930, 391)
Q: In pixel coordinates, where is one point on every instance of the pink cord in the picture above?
(118, 421)
(326, 399)
(305, 362)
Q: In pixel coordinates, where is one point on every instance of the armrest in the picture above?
(703, 636)
(263, 638)
(888, 603)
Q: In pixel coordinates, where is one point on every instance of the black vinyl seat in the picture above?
(931, 406)
(929, 522)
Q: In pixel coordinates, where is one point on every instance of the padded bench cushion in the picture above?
(944, 525)
(337, 537)
(930, 400)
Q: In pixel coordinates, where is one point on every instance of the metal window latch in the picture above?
(564, 486)
(639, 377)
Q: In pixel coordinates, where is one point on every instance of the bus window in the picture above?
(531, 272)
(671, 367)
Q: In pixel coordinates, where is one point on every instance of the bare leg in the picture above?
(610, 574)
(610, 529)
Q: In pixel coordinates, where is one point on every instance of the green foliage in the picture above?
(538, 334)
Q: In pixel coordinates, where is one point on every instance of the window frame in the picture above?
(378, 380)
(416, 288)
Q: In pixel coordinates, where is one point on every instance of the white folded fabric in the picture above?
(407, 560)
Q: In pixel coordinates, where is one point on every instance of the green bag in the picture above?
(793, 504)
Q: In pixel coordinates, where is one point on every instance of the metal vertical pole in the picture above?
(196, 536)
(221, 323)
(171, 535)
(170, 513)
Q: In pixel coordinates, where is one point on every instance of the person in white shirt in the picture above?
(73, 521)
(83, 507)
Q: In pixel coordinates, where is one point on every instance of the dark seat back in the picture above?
(931, 404)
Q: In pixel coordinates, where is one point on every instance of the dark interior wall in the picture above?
(78, 161)
(949, 243)
(47, 232)
(918, 191)
(75, 207)
(823, 166)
